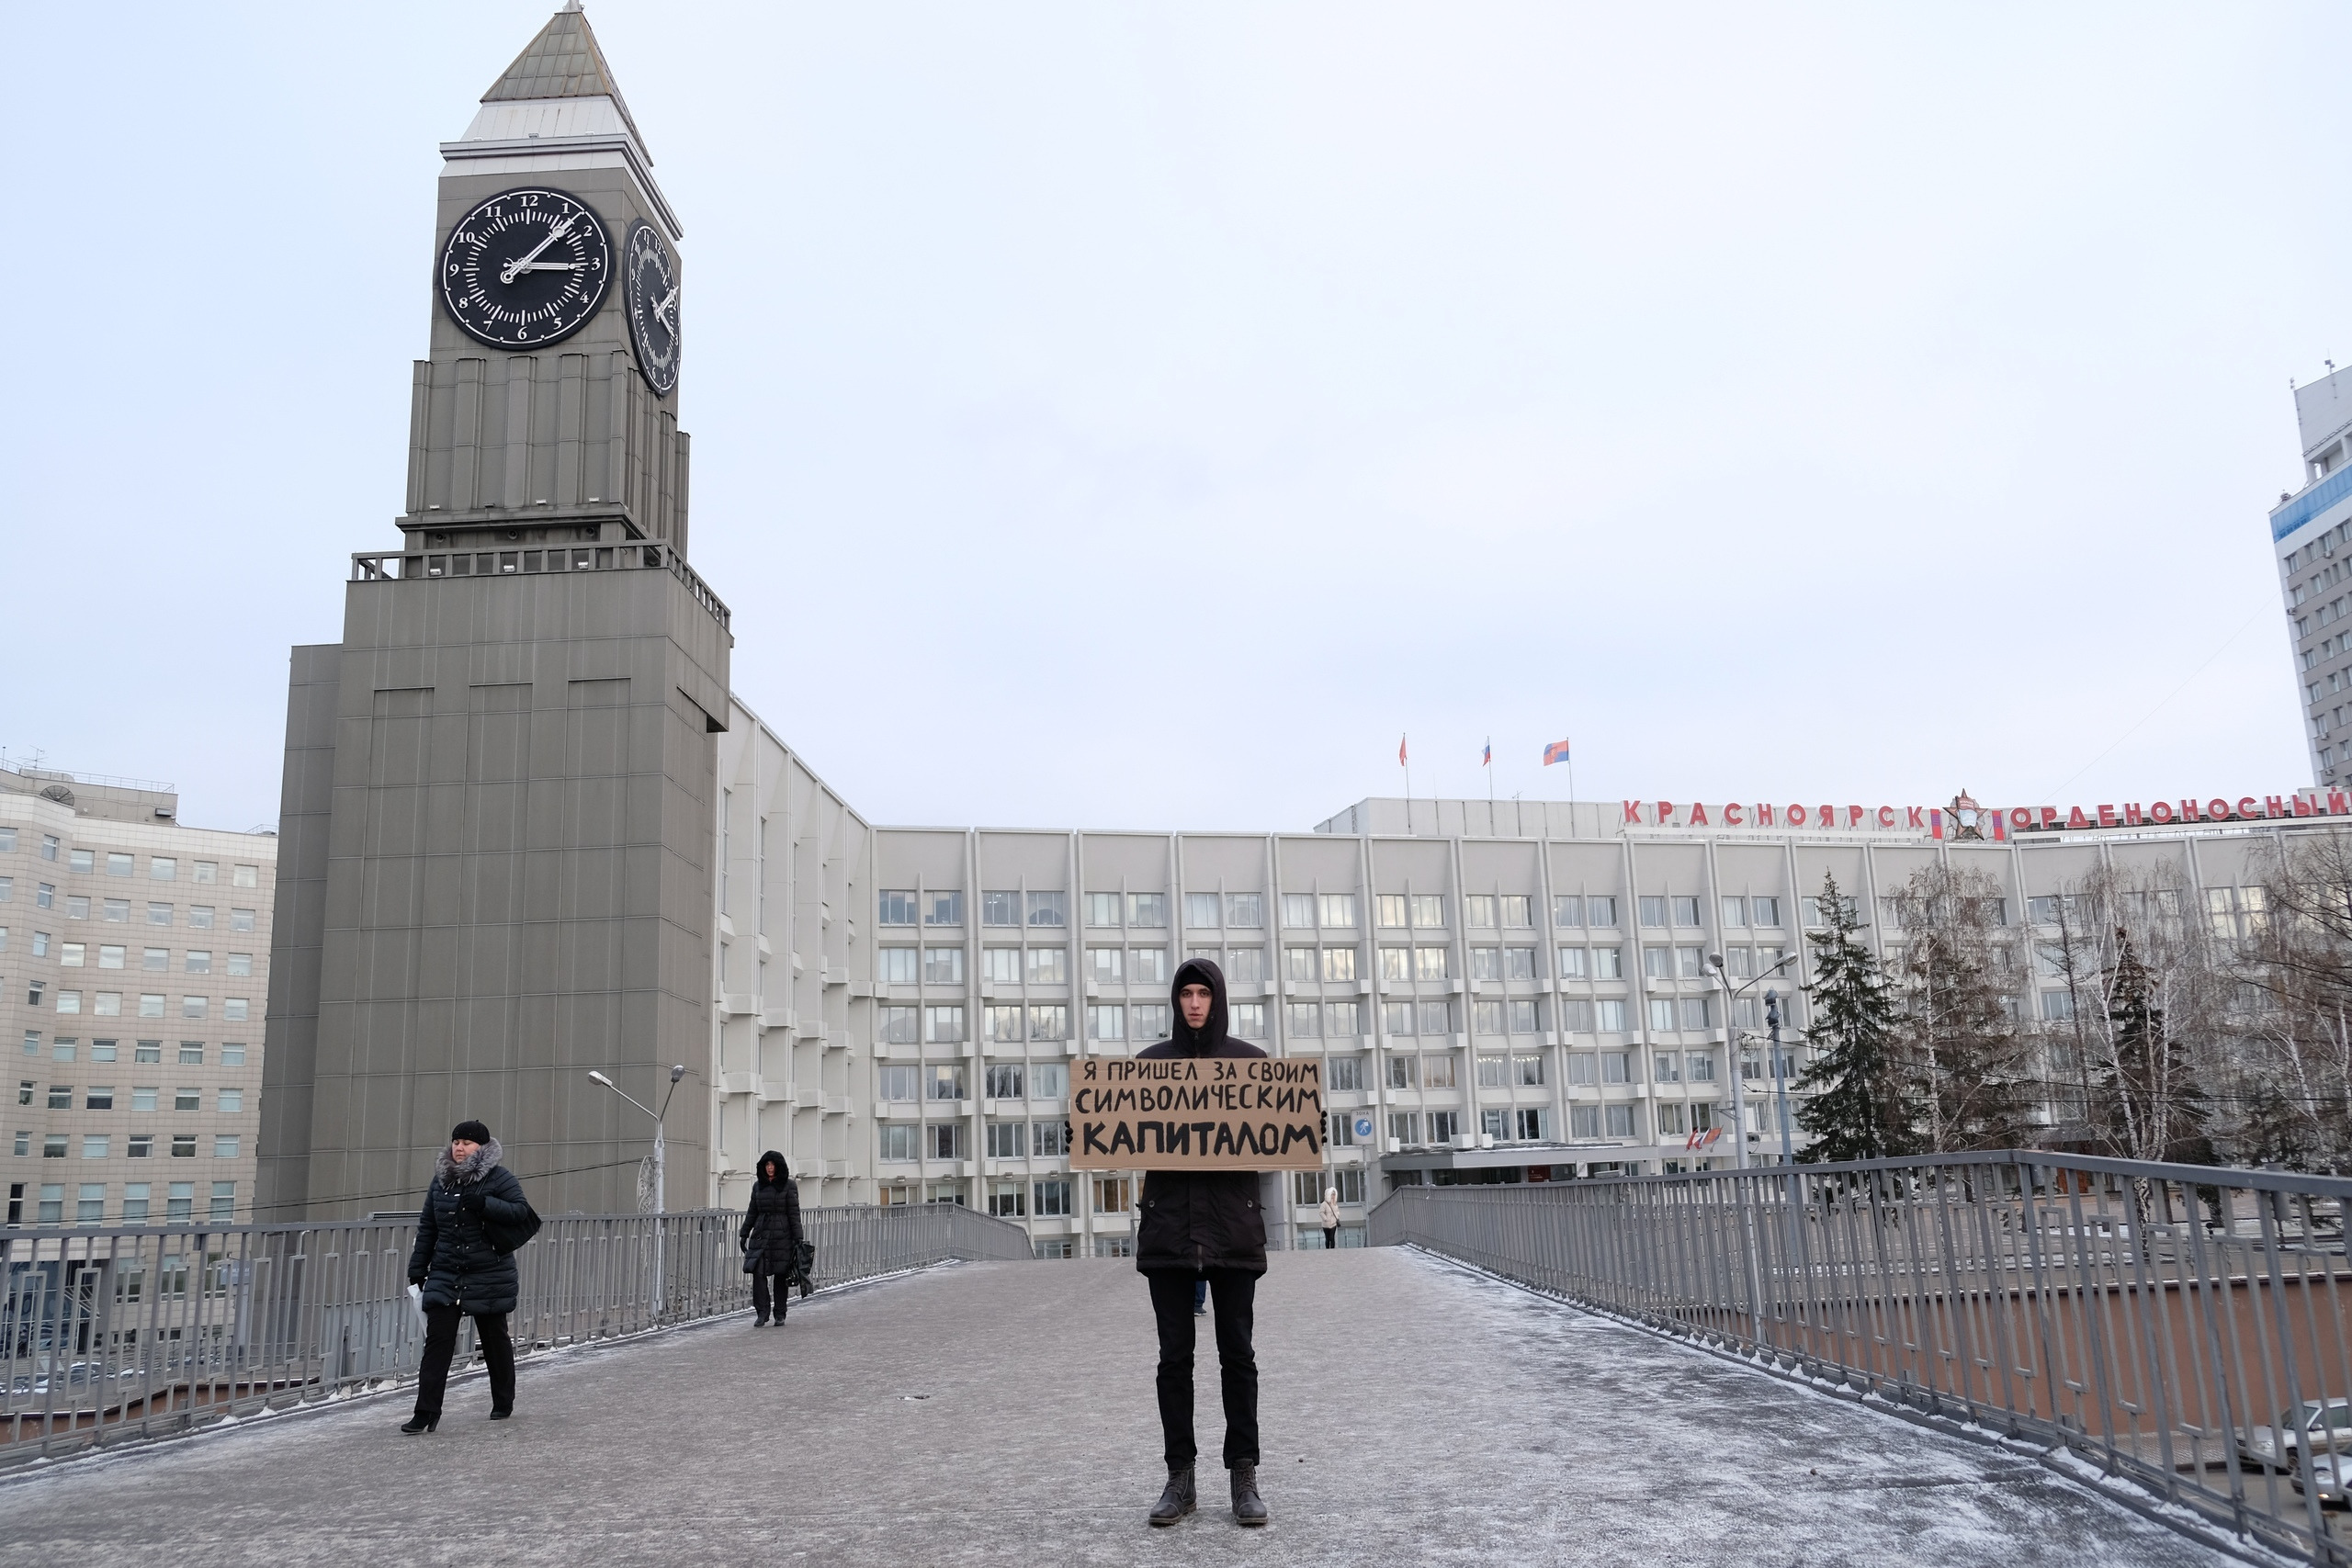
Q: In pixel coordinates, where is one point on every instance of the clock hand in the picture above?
(669, 302)
(521, 268)
(513, 269)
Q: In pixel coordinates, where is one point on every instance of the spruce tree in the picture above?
(1861, 1105)
(2153, 1107)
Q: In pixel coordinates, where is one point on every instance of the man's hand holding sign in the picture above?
(1196, 1113)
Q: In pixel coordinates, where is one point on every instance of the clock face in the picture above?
(650, 295)
(525, 267)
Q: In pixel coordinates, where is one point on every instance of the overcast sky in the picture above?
(1114, 415)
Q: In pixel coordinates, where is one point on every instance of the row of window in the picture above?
(160, 868)
(136, 1146)
(1245, 965)
(107, 956)
(1308, 911)
(948, 1080)
(101, 1097)
(137, 1203)
(116, 911)
(150, 1004)
(191, 1052)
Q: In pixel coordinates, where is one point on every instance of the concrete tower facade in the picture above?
(499, 800)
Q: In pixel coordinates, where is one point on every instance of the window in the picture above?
(938, 908)
(1298, 910)
(1670, 1120)
(1661, 1013)
(1048, 965)
(1343, 1021)
(1430, 963)
(179, 1203)
(1608, 963)
(1395, 963)
(895, 1026)
(1478, 910)
(241, 965)
(1765, 912)
(1575, 1016)
(1695, 1011)
(1396, 1018)
(1147, 910)
(188, 1099)
(897, 1083)
(946, 1080)
(60, 1096)
(2058, 1007)
(142, 1145)
(1001, 966)
(1437, 1072)
(1700, 1065)
(52, 1203)
(1049, 1139)
(1008, 1140)
(1001, 1022)
(1337, 908)
(116, 864)
(1494, 1072)
(97, 1097)
(898, 1142)
(1619, 1120)
(1526, 1016)
(184, 1145)
(1667, 1067)
(1486, 963)
(1112, 1195)
(1691, 962)
(1529, 1123)
(77, 908)
(243, 876)
(1049, 1020)
(897, 965)
(1246, 910)
(156, 959)
(1305, 1021)
(70, 955)
(1519, 911)
(135, 1203)
(1404, 1126)
(1245, 965)
(1444, 1126)
(1101, 908)
(1201, 909)
(231, 1100)
(160, 914)
(1148, 965)
(1346, 1075)
(1298, 963)
(1339, 963)
(1389, 909)
(1106, 1023)
(144, 1098)
(942, 966)
(1686, 911)
(942, 1025)
(1001, 907)
(1400, 1072)
(1571, 963)
(67, 1001)
(147, 1051)
(1653, 911)
(1007, 1200)
(1106, 964)
(1657, 963)
(1485, 1018)
(1048, 1081)
(1049, 908)
(1339, 1131)
(232, 1054)
(224, 1146)
(161, 868)
(1616, 1067)
(1436, 1015)
(1050, 1199)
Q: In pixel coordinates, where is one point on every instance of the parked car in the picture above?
(2326, 1426)
(2331, 1478)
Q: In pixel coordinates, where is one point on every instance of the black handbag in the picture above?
(511, 1237)
(804, 1261)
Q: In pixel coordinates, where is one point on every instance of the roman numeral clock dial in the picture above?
(525, 267)
(650, 295)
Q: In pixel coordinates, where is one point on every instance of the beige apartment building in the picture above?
(134, 953)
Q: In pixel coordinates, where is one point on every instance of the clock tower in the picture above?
(500, 799)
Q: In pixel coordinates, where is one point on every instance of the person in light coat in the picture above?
(1330, 1215)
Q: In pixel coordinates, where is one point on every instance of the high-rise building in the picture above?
(498, 802)
(2310, 531)
(132, 951)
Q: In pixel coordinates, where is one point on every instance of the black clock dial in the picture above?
(650, 295)
(525, 267)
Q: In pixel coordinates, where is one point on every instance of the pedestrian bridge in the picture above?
(1413, 1412)
(1999, 1360)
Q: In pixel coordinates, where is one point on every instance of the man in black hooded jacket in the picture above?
(1203, 1225)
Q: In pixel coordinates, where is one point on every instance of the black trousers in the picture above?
(441, 1343)
(1330, 1239)
(762, 1296)
(1232, 1297)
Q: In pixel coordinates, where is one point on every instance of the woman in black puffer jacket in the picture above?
(771, 1236)
(462, 1272)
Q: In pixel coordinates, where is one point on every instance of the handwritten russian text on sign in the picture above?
(1195, 1113)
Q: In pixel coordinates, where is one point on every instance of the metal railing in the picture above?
(2164, 1323)
(106, 1335)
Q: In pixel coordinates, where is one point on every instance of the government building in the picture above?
(530, 833)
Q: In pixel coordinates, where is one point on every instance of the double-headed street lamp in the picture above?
(1731, 1041)
(660, 1186)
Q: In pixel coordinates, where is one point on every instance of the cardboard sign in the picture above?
(1196, 1113)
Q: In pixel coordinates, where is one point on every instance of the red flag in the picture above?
(1400, 750)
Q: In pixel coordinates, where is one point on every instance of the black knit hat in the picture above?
(472, 1131)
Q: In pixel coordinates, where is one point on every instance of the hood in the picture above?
(1200, 1041)
(483, 1160)
(782, 1170)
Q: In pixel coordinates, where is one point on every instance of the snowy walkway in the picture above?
(1002, 1413)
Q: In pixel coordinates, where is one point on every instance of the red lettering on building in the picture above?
(1853, 817)
(1828, 817)
(1633, 811)
(2106, 817)
(2049, 817)
(2274, 807)
(2020, 817)
(2075, 817)
(2188, 811)
(2218, 810)
(2246, 806)
(1915, 817)
(1665, 814)
(2304, 807)
(1796, 815)
(2132, 814)
(1697, 816)
(1886, 817)
(2335, 802)
(1731, 814)
(2160, 813)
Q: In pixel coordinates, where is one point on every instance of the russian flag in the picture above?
(1557, 751)
(1486, 758)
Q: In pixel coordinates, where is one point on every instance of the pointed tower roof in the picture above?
(563, 62)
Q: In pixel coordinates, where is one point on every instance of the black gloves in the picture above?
(470, 1201)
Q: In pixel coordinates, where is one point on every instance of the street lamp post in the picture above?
(1730, 1041)
(661, 1167)
(1780, 1077)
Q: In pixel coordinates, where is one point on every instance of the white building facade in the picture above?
(2311, 534)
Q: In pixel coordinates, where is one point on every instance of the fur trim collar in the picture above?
(483, 1160)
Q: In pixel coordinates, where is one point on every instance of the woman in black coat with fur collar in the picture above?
(771, 1236)
(462, 1274)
